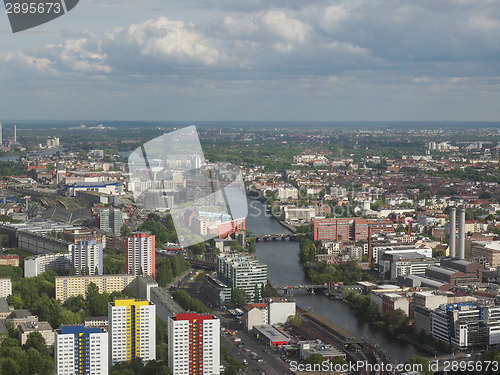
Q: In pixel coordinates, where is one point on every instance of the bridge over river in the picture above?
(280, 237)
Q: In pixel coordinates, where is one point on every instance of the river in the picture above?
(284, 268)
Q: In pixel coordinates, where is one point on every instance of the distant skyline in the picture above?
(285, 60)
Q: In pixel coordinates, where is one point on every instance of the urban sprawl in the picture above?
(401, 223)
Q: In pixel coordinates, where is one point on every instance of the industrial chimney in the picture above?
(453, 230)
(461, 233)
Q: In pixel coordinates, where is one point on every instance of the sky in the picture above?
(223, 60)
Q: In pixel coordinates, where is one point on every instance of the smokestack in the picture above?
(461, 233)
(1, 135)
(453, 230)
(15, 133)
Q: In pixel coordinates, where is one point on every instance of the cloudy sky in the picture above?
(256, 60)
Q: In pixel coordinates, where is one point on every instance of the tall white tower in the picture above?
(15, 133)
(1, 136)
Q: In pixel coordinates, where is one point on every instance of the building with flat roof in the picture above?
(242, 272)
(318, 347)
(132, 330)
(216, 292)
(87, 257)
(5, 287)
(194, 344)
(9, 260)
(70, 286)
(111, 220)
(38, 264)
(270, 335)
(488, 250)
(140, 255)
(44, 328)
(80, 350)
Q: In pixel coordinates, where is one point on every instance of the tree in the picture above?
(396, 321)
(256, 294)
(294, 321)
(252, 248)
(36, 341)
(239, 298)
(314, 359)
(4, 240)
(125, 230)
(97, 303)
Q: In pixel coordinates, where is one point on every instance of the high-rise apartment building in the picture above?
(87, 258)
(111, 220)
(5, 287)
(80, 350)
(132, 330)
(140, 255)
(194, 344)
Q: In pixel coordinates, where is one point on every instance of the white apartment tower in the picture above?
(140, 255)
(80, 350)
(5, 287)
(87, 258)
(194, 344)
(132, 330)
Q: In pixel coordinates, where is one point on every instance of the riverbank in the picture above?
(291, 228)
(403, 337)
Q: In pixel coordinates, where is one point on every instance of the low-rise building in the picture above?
(280, 310)
(44, 328)
(9, 260)
(95, 321)
(271, 336)
(254, 315)
(215, 291)
(318, 347)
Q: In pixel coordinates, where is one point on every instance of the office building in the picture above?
(111, 220)
(490, 251)
(80, 350)
(87, 258)
(345, 229)
(140, 255)
(466, 325)
(242, 272)
(194, 344)
(70, 286)
(132, 330)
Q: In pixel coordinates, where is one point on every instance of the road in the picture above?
(272, 364)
